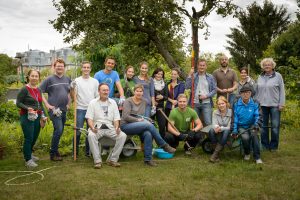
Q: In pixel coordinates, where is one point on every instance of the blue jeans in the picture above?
(148, 110)
(146, 131)
(231, 99)
(214, 137)
(58, 126)
(80, 119)
(250, 138)
(273, 114)
(204, 112)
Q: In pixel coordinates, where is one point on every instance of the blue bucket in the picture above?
(160, 153)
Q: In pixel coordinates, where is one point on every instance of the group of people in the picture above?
(142, 98)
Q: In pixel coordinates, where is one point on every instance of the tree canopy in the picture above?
(286, 52)
(258, 27)
(142, 28)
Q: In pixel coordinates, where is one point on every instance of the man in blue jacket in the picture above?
(247, 115)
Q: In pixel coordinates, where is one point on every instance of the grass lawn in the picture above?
(179, 178)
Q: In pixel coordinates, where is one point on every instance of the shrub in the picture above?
(9, 112)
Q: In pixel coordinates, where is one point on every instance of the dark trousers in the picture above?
(31, 130)
(161, 121)
(167, 112)
(173, 140)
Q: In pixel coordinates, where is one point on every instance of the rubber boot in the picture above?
(215, 156)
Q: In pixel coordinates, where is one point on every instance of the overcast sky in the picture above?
(24, 25)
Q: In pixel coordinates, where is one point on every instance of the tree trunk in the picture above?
(195, 31)
(195, 43)
(166, 54)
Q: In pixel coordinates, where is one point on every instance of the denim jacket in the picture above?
(212, 85)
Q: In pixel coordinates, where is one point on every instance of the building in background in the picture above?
(40, 60)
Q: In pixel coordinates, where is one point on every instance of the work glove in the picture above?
(153, 110)
(182, 137)
(191, 135)
(57, 112)
(234, 134)
(73, 84)
(121, 101)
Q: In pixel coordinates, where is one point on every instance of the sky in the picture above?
(24, 24)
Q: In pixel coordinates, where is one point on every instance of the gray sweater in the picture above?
(270, 90)
(129, 108)
(223, 122)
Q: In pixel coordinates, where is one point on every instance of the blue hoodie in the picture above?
(246, 115)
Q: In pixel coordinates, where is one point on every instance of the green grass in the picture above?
(178, 178)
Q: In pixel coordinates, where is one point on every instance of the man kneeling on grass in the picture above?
(247, 121)
(181, 119)
(103, 119)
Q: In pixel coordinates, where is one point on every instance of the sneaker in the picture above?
(247, 157)
(113, 163)
(259, 161)
(168, 148)
(30, 164)
(97, 165)
(188, 153)
(34, 158)
(56, 158)
(150, 163)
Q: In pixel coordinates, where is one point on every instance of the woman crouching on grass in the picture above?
(221, 121)
(133, 123)
(29, 100)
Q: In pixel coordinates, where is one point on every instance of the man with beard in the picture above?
(227, 80)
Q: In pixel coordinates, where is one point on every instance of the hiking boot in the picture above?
(247, 157)
(259, 161)
(113, 163)
(31, 164)
(188, 153)
(150, 163)
(34, 158)
(56, 158)
(97, 165)
(168, 148)
(215, 156)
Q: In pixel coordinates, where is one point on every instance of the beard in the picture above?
(224, 65)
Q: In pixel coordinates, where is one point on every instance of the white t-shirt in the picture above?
(103, 112)
(87, 90)
(202, 89)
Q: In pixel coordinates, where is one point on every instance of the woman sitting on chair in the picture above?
(221, 121)
(133, 122)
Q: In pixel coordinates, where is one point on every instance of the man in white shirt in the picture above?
(104, 120)
(86, 90)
